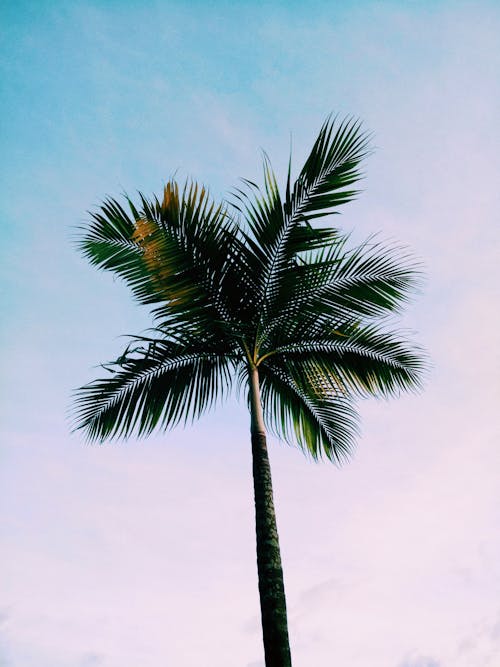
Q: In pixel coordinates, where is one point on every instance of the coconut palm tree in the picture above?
(255, 293)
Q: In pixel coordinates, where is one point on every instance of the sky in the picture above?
(142, 553)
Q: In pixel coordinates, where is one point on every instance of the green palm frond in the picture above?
(338, 287)
(329, 171)
(263, 211)
(171, 252)
(159, 385)
(108, 242)
(299, 409)
(365, 361)
(371, 280)
(266, 234)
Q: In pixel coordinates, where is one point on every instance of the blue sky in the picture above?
(143, 553)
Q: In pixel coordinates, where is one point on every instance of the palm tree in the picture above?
(253, 294)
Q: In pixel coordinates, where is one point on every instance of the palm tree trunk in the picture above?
(271, 586)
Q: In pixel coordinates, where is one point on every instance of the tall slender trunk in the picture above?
(271, 587)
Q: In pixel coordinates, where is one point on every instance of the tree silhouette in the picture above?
(255, 293)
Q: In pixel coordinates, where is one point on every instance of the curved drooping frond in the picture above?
(299, 407)
(364, 361)
(159, 384)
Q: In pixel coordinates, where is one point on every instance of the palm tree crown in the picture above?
(254, 283)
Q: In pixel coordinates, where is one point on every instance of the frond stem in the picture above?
(265, 356)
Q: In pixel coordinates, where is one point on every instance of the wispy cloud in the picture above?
(420, 661)
(92, 660)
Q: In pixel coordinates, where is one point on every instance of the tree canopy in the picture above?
(258, 281)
